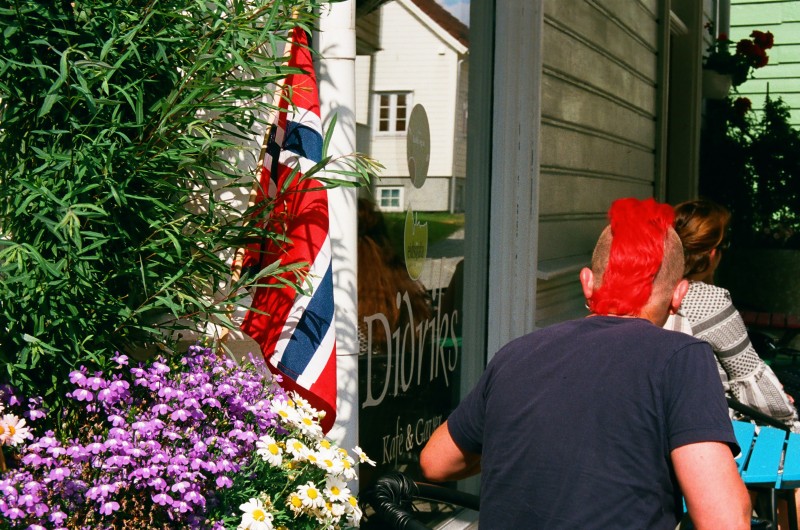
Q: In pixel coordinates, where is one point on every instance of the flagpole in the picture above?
(238, 257)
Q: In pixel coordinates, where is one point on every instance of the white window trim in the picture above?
(400, 198)
(376, 111)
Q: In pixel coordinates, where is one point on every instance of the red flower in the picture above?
(747, 48)
(723, 37)
(761, 59)
(755, 54)
(762, 39)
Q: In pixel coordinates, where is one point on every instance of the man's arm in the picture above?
(442, 459)
(715, 495)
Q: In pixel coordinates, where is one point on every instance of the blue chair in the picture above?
(770, 460)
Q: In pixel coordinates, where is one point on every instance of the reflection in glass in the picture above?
(410, 322)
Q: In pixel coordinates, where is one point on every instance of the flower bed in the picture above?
(196, 442)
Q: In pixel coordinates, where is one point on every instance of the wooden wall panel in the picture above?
(598, 136)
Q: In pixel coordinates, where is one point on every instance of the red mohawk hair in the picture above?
(638, 231)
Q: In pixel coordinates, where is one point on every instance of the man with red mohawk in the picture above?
(608, 421)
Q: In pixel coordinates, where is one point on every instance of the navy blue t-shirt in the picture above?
(575, 424)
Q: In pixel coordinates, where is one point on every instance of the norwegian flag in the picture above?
(296, 330)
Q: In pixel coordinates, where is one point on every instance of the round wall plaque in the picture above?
(418, 145)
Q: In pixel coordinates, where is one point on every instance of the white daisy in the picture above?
(348, 471)
(336, 509)
(310, 495)
(295, 503)
(13, 430)
(362, 456)
(353, 511)
(309, 426)
(268, 449)
(285, 411)
(255, 517)
(311, 457)
(296, 448)
(303, 405)
(330, 461)
(336, 489)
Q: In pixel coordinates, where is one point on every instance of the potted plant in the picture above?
(752, 166)
(724, 67)
(195, 441)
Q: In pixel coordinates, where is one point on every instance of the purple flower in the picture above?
(99, 493)
(32, 459)
(59, 473)
(223, 482)
(116, 420)
(29, 500)
(77, 377)
(179, 460)
(160, 367)
(161, 409)
(96, 382)
(180, 486)
(173, 436)
(118, 461)
(118, 433)
(194, 498)
(95, 448)
(109, 507)
(162, 499)
(56, 451)
(179, 415)
(81, 394)
(158, 484)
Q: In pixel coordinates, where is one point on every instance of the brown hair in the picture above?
(701, 225)
(382, 275)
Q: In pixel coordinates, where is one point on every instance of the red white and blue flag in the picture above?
(296, 330)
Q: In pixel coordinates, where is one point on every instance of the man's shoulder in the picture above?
(613, 332)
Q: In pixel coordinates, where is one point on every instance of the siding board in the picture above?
(572, 149)
(598, 139)
(565, 101)
(582, 60)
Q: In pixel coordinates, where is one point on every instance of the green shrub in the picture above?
(120, 122)
(753, 167)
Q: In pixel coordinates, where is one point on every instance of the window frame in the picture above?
(392, 118)
(379, 199)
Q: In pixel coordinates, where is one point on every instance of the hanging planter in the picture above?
(715, 84)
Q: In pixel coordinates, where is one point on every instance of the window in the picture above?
(390, 199)
(393, 111)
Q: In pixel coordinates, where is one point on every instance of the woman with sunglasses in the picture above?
(702, 226)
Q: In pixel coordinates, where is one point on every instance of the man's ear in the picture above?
(677, 296)
(587, 282)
